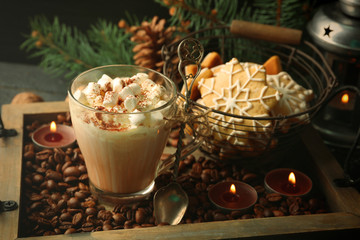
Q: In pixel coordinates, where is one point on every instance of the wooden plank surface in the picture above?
(230, 229)
(345, 202)
(340, 199)
(11, 157)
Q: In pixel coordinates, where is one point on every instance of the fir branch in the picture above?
(66, 49)
(194, 15)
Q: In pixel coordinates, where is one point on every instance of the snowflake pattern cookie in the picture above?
(239, 89)
(294, 97)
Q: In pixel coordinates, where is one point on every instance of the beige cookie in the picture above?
(238, 89)
(294, 98)
(204, 73)
(211, 60)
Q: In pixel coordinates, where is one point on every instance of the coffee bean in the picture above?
(278, 213)
(51, 185)
(163, 224)
(119, 218)
(189, 160)
(88, 204)
(294, 208)
(36, 197)
(87, 227)
(249, 177)
(66, 165)
(219, 217)
(37, 179)
(65, 217)
(73, 203)
(196, 168)
(273, 197)
(107, 227)
(236, 214)
(104, 215)
(30, 155)
(71, 171)
(36, 206)
(205, 177)
(84, 177)
(58, 157)
(145, 225)
(71, 180)
(70, 231)
(140, 216)
(43, 155)
(54, 175)
(268, 212)
(314, 204)
(77, 219)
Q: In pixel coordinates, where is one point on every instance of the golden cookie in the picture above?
(273, 65)
(239, 89)
(294, 97)
(211, 60)
(195, 94)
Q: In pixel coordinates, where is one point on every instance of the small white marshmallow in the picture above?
(140, 77)
(118, 84)
(110, 99)
(130, 103)
(135, 88)
(105, 82)
(125, 92)
(137, 119)
(80, 96)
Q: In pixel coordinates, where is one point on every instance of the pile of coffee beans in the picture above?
(56, 197)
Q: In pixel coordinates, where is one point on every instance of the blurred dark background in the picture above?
(15, 15)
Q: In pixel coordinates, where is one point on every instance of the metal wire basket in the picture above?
(305, 64)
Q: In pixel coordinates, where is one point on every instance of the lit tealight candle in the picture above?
(288, 182)
(54, 136)
(232, 195)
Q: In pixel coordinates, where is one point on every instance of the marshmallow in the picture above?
(125, 92)
(118, 84)
(147, 84)
(130, 103)
(137, 119)
(160, 103)
(92, 89)
(140, 77)
(110, 99)
(97, 101)
(105, 82)
(80, 96)
(135, 88)
(92, 93)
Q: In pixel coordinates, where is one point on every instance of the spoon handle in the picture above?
(190, 51)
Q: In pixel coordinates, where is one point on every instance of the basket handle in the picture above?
(266, 32)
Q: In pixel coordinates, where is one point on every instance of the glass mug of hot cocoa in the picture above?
(120, 114)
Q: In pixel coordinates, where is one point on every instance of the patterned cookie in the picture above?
(294, 97)
(204, 73)
(211, 60)
(239, 89)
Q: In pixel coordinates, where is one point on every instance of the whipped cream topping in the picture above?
(122, 95)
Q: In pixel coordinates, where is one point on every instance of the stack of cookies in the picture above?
(245, 92)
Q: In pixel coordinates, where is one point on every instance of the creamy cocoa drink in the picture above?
(120, 120)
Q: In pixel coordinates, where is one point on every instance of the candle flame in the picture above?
(292, 179)
(233, 189)
(53, 127)
(345, 98)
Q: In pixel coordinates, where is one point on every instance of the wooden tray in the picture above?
(344, 203)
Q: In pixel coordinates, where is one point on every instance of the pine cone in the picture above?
(149, 38)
